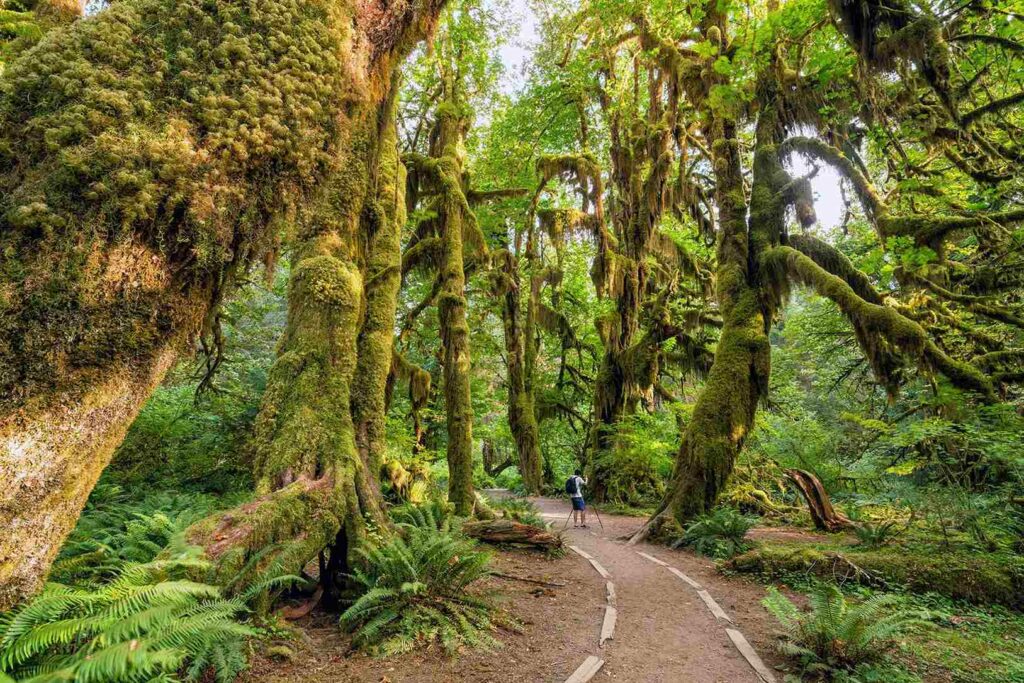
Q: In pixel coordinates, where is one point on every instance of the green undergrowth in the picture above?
(117, 527)
(125, 600)
(518, 509)
(721, 533)
(950, 640)
(420, 588)
(624, 509)
(968, 644)
(835, 637)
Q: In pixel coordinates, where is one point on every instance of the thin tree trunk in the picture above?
(381, 226)
(451, 307)
(522, 417)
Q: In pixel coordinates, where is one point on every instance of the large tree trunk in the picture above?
(320, 437)
(130, 227)
(724, 413)
(50, 462)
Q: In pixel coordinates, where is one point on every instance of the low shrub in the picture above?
(719, 534)
(417, 591)
(434, 515)
(836, 635)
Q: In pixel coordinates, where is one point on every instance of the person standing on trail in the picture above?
(574, 487)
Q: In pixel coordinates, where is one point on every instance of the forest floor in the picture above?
(664, 630)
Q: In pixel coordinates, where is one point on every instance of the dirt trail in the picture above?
(664, 630)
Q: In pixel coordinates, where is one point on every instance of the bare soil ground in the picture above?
(664, 631)
(793, 535)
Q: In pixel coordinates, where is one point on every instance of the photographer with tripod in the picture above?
(574, 487)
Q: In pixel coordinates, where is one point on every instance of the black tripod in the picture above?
(564, 526)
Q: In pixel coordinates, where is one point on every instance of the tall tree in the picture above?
(758, 260)
(448, 239)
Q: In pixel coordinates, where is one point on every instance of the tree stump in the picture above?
(823, 514)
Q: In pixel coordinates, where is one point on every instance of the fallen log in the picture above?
(509, 531)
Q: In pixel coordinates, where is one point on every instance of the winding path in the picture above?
(666, 616)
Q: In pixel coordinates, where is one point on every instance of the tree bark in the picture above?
(823, 514)
(509, 531)
(381, 227)
(51, 460)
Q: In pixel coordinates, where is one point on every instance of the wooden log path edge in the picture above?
(592, 664)
(738, 640)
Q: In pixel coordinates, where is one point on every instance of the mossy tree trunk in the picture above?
(52, 458)
(381, 253)
(319, 437)
(758, 263)
(725, 409)
(110, 267)
(522, 416)
(451, 304)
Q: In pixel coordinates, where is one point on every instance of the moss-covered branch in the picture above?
(822, 151)
(991, 108)
(929, 229)
(425, 254)
(878, 320)
(836, 263)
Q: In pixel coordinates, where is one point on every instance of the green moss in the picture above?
(877, 323)
(156, 143)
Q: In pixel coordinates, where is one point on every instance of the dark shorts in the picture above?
(578, 504)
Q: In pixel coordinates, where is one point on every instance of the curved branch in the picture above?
(998, 41)
(836, 263)
(992, 107)
(423, 254)
(904, 334)
(1008, 358)
(931, 228)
